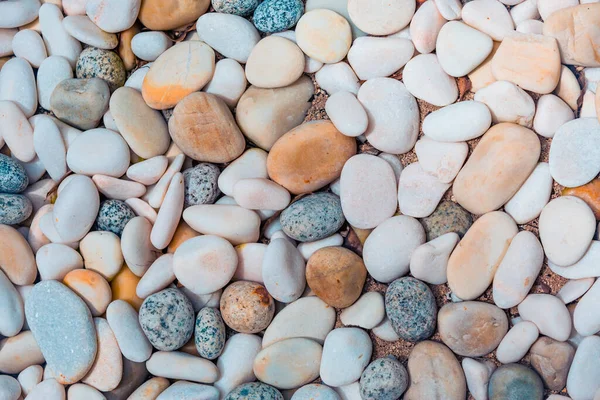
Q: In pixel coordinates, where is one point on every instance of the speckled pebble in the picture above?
(113, 216)
(209, 333)
(447, 217)
(254, 391)
(103, 64)
(313, 217)
(383, 379)
(14, 208)
(201, 184)
(515, 382)
(167, 319)
(277, 15)
(243, 8)
(410, 305)
(315, 391)
(13, 178)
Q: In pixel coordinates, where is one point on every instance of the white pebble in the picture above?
(138, 251)
(490, 17)
(17, 84)
(55, 260)
(28, 44)
(373, 57)
(367, 312)
(58, 41)
(228, 82)
(440, 159)
(347, 114)
(307, 249)
(84, 30)
(461, 49)
(50, 148)
(517, 342)
(549, 314)
(419, 192)
(251, 164)
(337, 77)
(458, 122)
(574, 289)
(426, 80)
(507, 103)
(149, 45)
(551, 114)
(283, 271)
(52, 71)
(532, 197)
(429, 261)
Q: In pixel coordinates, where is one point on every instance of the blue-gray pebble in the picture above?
(62, 325)
(243, 8)
(515, 382)
(254, 391)
(410, 306)
(113, 216)
(14, 208)
(277, 15)
(201, 184)
(313, 217)
(13, 178)
(383, 379)
(209, 334)
(315, 391)
(167, 319)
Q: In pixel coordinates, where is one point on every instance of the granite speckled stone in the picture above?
(254, 391)
(313, 217)
(315, 391)
(103, 64)
(209, 334)
(13, 178)
(447, 217)
(243, 8)
(277, 15)
(410, 306)
(113, 216)
(515, 382)
(383, 379)
(14, 208)
(167, 319)
(63, 328)
(201, 184)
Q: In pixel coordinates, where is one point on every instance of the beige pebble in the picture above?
(91, 287)
(156, 194)
(36, 237)
(260, 194)
(425, 27)
(228, 82)
(107, 370)
(381, 18)
(118, 189)
(138, 251)
(391, 55)
(169, 213)
(507, 103)
(148, 172)
(231, 222)
(568, 88)
(142, 209)
(178, 365)
(274, 62)
(251, 164)
(16, 258)
(150, 390)
(101, 252)
(324, 35)
(19, 352)
(16, 131)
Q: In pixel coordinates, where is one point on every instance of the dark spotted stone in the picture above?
(515, 382)
(210, 333)
(254, 391)
(14, 208)
(201, 184)
(313, 217)
(13, 178)
(383, 379)
(447, 217)
(103, 64)
(243, 8)
(277, 15)
(410, 306)
(167, 319)
(113, 216)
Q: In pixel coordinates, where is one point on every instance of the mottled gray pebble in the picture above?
(113, 216)
(383, 379)
(447, 217)
(80, 102)
(313, 217)
(103, 64)
(254, 391)
(277, 15)
(315, 391)
(14, 208)
(13, 178)
(209, 334)
(243, 8)
(515, 382)
(201, 184)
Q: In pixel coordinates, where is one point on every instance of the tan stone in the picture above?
(552, 360)
(309, 156)
(274, 62)
(160, 15)
(247, 307)
(16, 258)
(568, 88)
(577, 32)
(19, 352)
(124, 49)
(182, 233)
(93, 289)
(336, 275)
(324, 35)
(472, 265)
(482, 76)
(203, 127)
(502, 161)
(528, 60)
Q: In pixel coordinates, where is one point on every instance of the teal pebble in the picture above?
(515, 382)
(113, 216)
(410, 306)
(277, 15)
(210, 333)
(14, 208)
(313, 217)
(383, 379)
(243, 8)
(254, 391)
(13, 178)
(315, 391)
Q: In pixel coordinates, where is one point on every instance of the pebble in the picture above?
(148, 46)
(426, 80)
(62, 324)
(107, 370)
(98, 151)
(308, 317)
(19, 352)
(228, 82)
(324, 35)
(447, 217)
(441, 160)
(347, 114)
(216, 219)
(250, 261)
(429, 261)
(113, 216)
(507, 103)
(123, 320)
(382, 18)
(549, 314)
(530, 25)
(478, 375)
(515, 381)
(532, 197)
(28, 44)
(80, 102)
(113, 16)
(313, 217)
(582, 381)
(587, 193)
(20, 268)
(460, 60)
(153, 388)
(551, 114)
(118, 189)
(169, 213)
(434, 373)
(149, 171)
(574, 289)
(315, 390)
(517, 147)
(12, 314)
(307, 249)
(471, 268)
(232, 36)
(395, 132)
(16, 131)
(419, 192)
(568, 88)
(366, 313)
(86, 31)
(51, 72)
(159, 276)
(411, 308)
(159, 16)
(585, 319)
(260, 194)
(275, 16)
(16, 14)
(81, 390)
(167, 319)
(209, 336)
(93, 289)
(183, 366)
(552, 360)
(183, 389)
(490, 17)
(346, 353)
(247, 307)
(283, 271)
(136, 246)
(56, 38)
(13, 178)
(586, 267)
(48, 389)
(103, 64)
(182, 233)
(18, 85)
(136, 79)
(75, 209)
(517, 342)
(29, 378)
(391, 53)
(425, 27)
(336, 275)
(15, 208)
(236, 362)
(338, 77)
(50, 148)
(274, 62)
(56, 260)
(243, 8)
(254, 391)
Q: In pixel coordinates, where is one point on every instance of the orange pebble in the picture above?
(123, 287)
(590, 193)
(182, 233)
(93, 289)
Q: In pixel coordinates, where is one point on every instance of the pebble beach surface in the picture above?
(299, 200)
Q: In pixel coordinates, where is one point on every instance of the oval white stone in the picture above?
(236, 361)
(51, 72)
(391, 55)
(346, 352)
(138, 251)
(76, 208)
(549, 314)
(99, 151)
(283, 271)
(123, 320)
(419, 192)
(251, 164)
(28, 44)
(574, 289)
(86, 31)
(228, 82)
(347, 114)
(57, 39)
(55, 260)
(426, 80)
(458, 122)
(367, 312)
(231, 35)
(179, 365)
(17, 84)
(517, 342)
(551, 114)
(231, 222)
(149, 45)
(532, 197)
(429, 261)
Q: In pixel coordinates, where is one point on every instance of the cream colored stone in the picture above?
(274, 62)
(425, 27)
(381, 18)
(324, 35)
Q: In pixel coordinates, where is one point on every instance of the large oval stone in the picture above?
(163, 16)
(313, 217)
(410, 306)
(583, 382)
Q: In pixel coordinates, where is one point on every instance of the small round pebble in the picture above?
(254, 391)
(14, 208)
(209, 333)
(113, 216)
(383, 379)
(447, 217)
(103, 64)
(201, 184)
(315, 391)
(167, 319)
(247, 307)
(410, 305)
(515, 382)
(277, 15)
(313, 217)
(13, 178)
(243, 8)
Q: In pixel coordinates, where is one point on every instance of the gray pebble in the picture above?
(14, 208)
(254, 391)
(209, 333)
(313, 217)
(447, 217)
(113, 216)
(383, 379)
(243, 8)
(201, 184)
(103, 64)
(80, 102)
(13, 178)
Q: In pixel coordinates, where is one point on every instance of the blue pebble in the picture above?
(410, 306)
(515, 382)
(113, 216)
(13, 178)
(254, 391)
(277, 15)
(243, 8)
(383, 379)
(14, 208)
(210, 333)
(315, 391)
(313, 217)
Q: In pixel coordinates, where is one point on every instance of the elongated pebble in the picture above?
(157, 277)
(16, 131)
(123, 320)
(107, 370)
(137, 248)
(169, 213)
(118, 189)
(152, 389)
(177, 365)
(149, 171)
(574, 289)
(143, 209)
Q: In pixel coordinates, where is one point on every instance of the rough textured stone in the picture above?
(103, 64)
(113, 216)
(201, 184)
(209, 333)
(383, 379)
(247, 307)
(313, 217)
(552, 360)
(447, 217)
